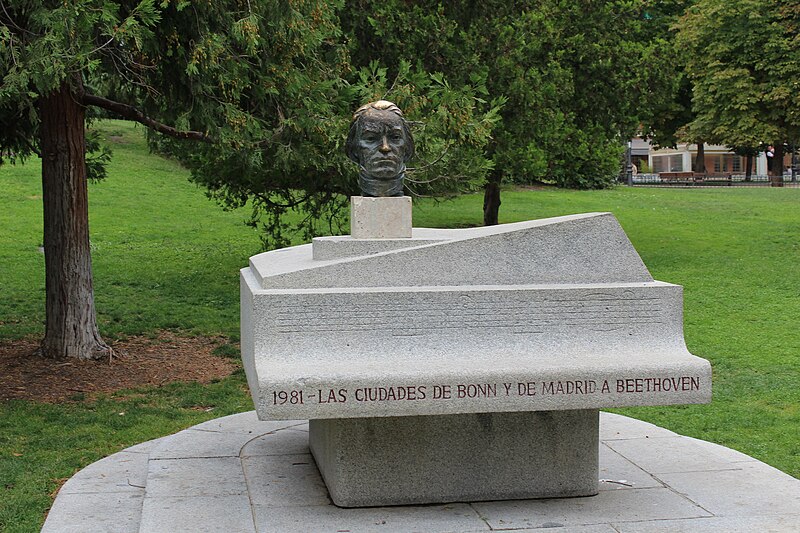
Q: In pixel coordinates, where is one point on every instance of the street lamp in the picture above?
(628, 165)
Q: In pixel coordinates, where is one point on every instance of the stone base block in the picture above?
(457, 458)
(380, 218)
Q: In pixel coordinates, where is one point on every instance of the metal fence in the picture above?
(690, 179)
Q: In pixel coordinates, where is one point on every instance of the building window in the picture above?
(667, 163)
(717, 163)
(737, 164)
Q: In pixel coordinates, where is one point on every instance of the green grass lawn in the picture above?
(165, 257)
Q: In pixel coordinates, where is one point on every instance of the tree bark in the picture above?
(776, 170)
(700, 160)
(748, 167)
(71, 324)
(491, 199)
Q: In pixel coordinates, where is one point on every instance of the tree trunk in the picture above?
(748, 167)
(700, 160)
(71, 325)
(491, 199)
(776, 170)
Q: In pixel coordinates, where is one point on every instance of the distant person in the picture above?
(770, 153)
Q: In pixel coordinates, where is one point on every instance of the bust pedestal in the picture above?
(380, 218)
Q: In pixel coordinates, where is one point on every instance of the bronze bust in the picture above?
(380, 142)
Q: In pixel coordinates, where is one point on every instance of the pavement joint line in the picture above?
(482, 518)
(191, 457)
(637, 466)
(684, 496)
(691, 471)
(657, 437)
(250, 503)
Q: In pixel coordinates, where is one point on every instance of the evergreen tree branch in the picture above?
(10, 21)
(132, 113)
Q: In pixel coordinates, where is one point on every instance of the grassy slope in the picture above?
(166, 257)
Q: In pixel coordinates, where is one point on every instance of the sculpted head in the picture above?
(380, 142)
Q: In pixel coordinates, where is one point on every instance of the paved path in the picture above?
(237, 474)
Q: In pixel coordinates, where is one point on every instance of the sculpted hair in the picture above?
(351, 145)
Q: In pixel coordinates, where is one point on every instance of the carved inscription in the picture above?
(410, 315)
(472, 391)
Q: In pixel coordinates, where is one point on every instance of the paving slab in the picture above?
(752, 489)
(675, 454)
(282, 442)
(211, 514)
(422, 519)
(247, 422)
(119, 512)
(193, 443)
(273, 485)
(606, 507)
(217, 476)
(760, 524)
(285, 480)
(618, 427)
(122, 472)
(728, 454)
(145, 447)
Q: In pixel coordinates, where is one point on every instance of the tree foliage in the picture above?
(263, 89)
(743, 59)
(577, 77)
(267, 85)
(672, 110)
(306, 170)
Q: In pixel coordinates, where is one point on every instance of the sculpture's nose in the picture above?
(385, 148)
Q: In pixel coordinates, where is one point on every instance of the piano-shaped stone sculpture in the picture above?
(465, 364)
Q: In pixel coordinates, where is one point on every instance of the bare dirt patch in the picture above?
(138, 361)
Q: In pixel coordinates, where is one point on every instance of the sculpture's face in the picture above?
(381, 145)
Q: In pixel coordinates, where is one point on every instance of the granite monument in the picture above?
(443, 365)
